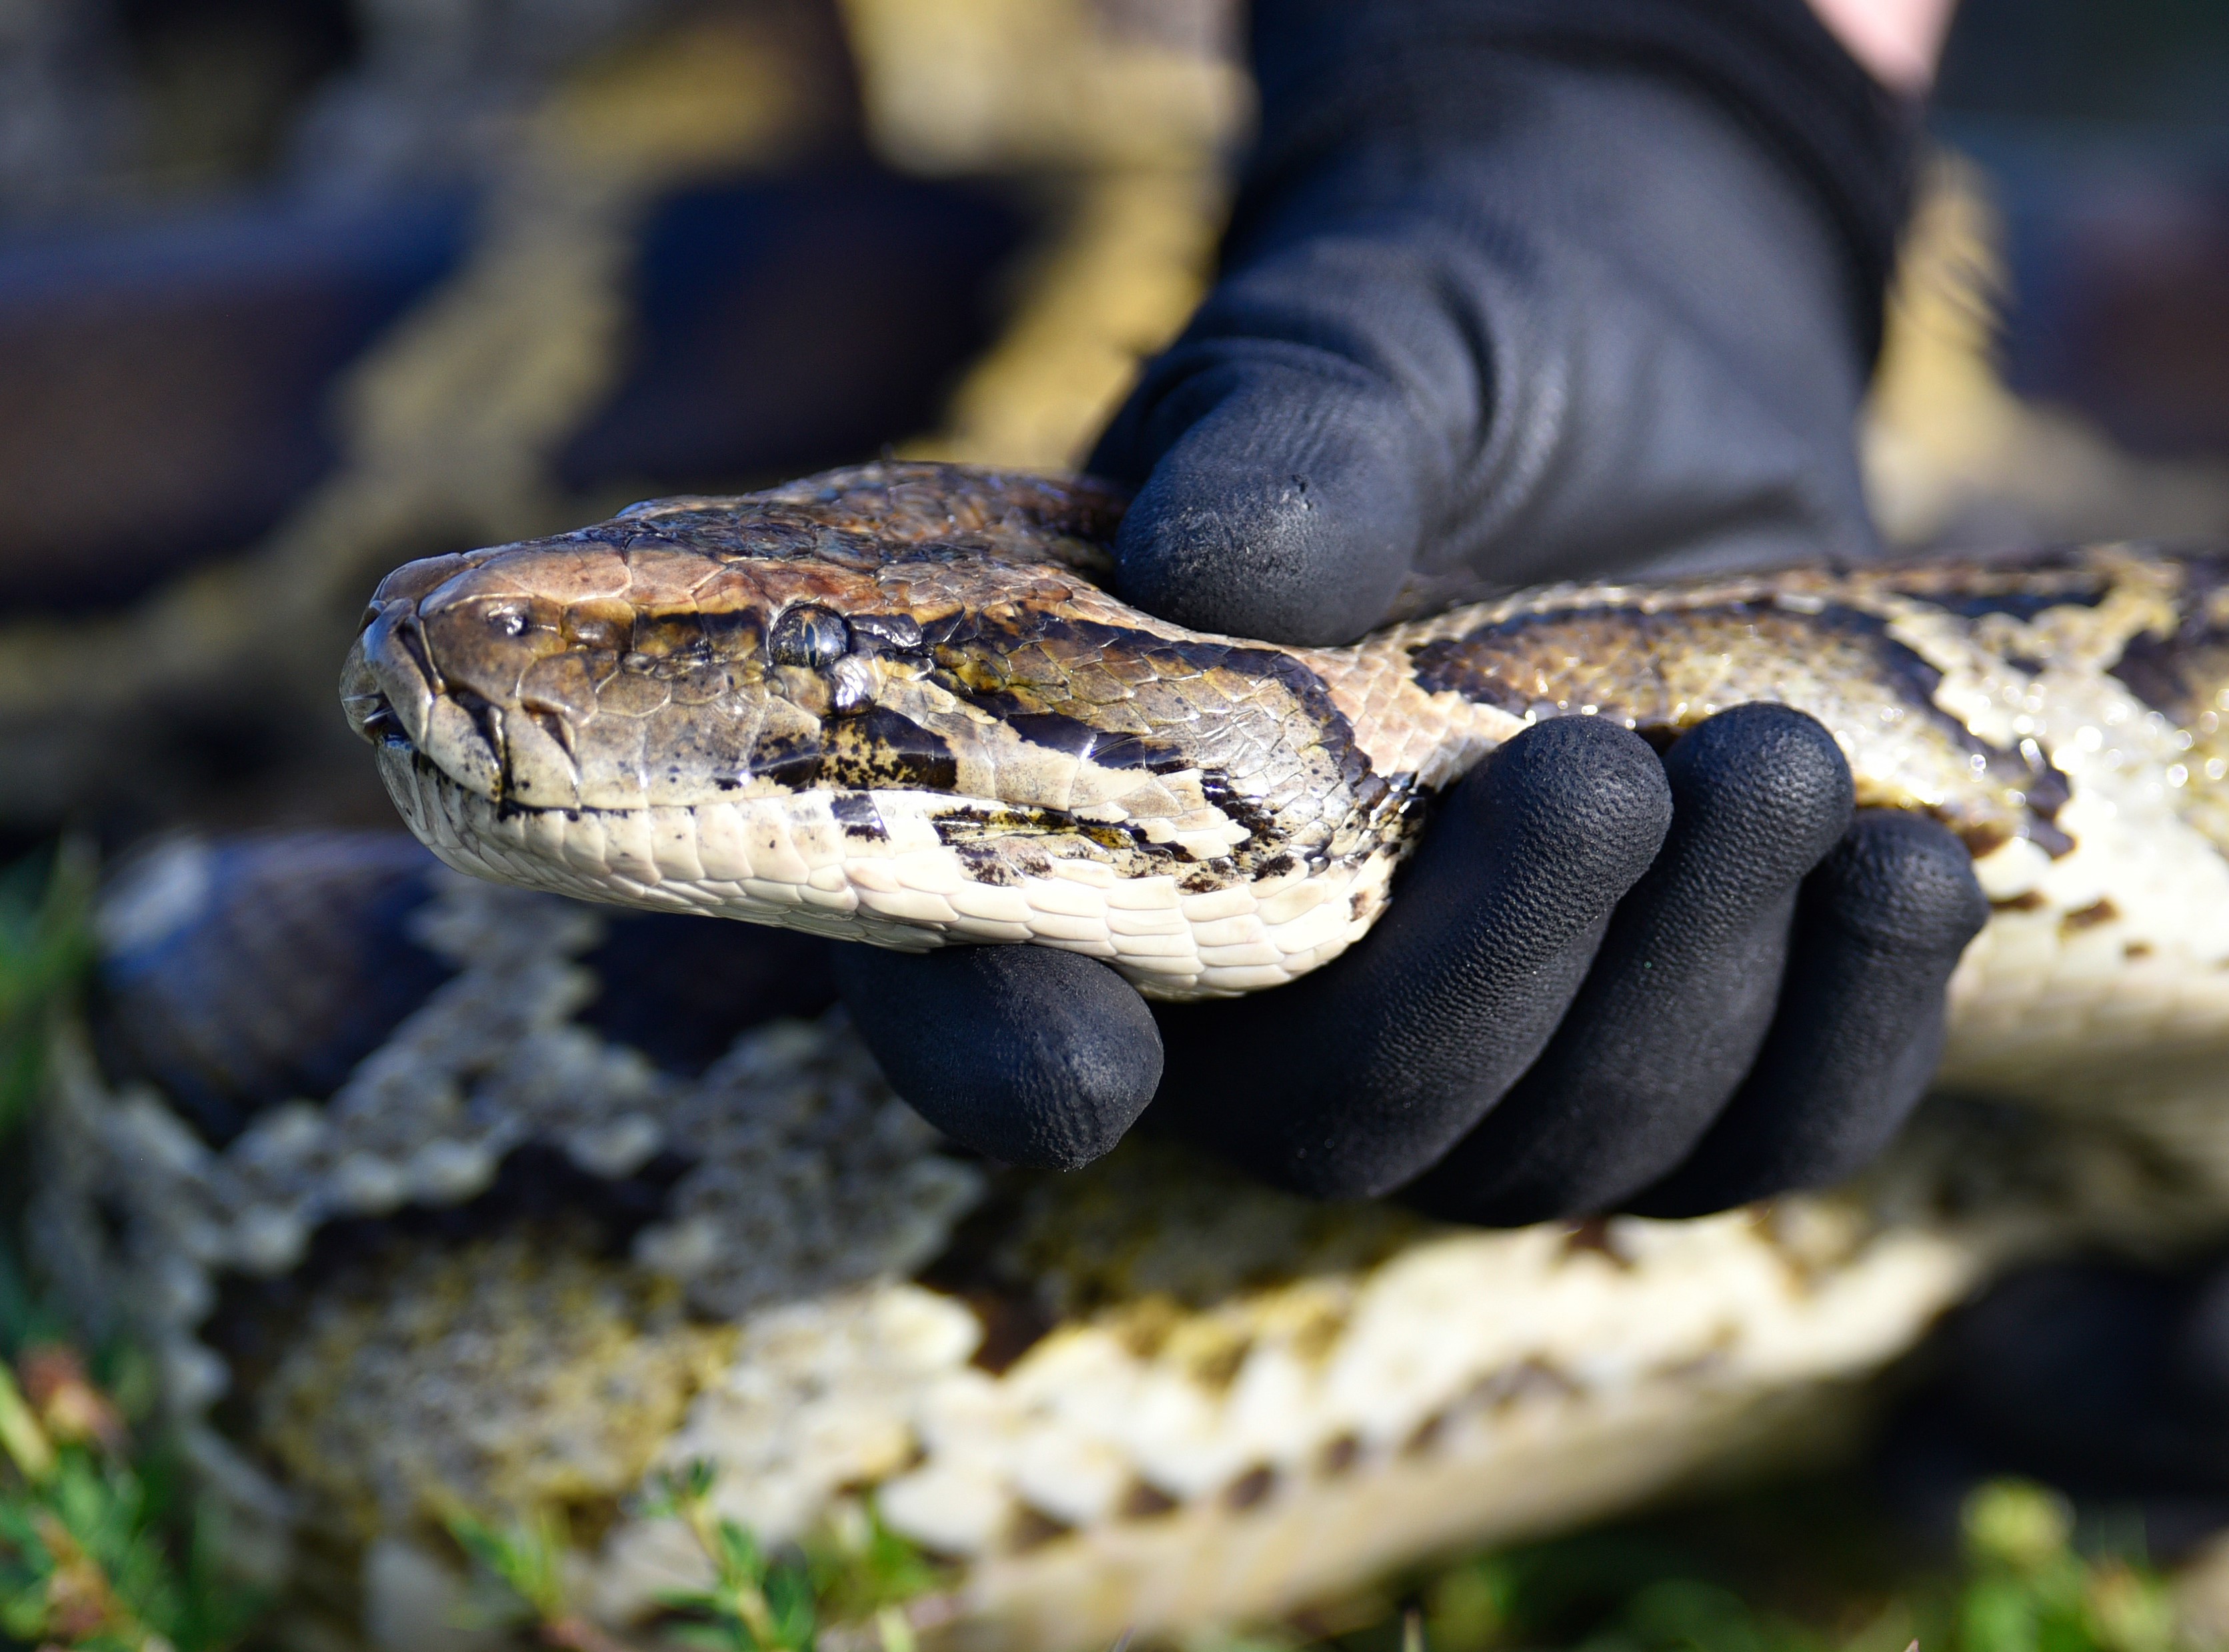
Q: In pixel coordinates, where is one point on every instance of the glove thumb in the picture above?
(1282, 491)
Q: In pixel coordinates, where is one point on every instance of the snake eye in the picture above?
(507, 622)
(808, 635)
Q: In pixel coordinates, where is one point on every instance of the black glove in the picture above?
(1516, 291)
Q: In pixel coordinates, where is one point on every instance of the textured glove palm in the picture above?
(1537, 321)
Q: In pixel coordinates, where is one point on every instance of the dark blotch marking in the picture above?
(1054, 731)
(2156, 670)
(983, 836)
(676, 634)
(2027, 901)
(1251, 1487)
(1425, 1435)
(939, 629)
(793, 761)
(1261, 826)
(1986, 839)
(2180, 675)
(1013, 1323)
(1594, 1234)
(730, 632)
(2089, 917)
(858, 816)
(1144, 1502)
(2048, 791)
(1136, 751)
(2022, 606)
(1057, 731)
(983, 865)
(1592, 651)
(880, 750)
(1032, 1528)
(1614, 658)
(971, 649)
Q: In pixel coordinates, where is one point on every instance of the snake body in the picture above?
(895, 703)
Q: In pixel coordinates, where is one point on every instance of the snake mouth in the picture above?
(382, 726)
(367, 697)
(402, 705)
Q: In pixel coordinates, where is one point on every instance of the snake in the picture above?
(898, 704)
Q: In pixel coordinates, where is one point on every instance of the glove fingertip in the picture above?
(1904, 882)
(1280, 503)
(1034, 1058)
(1779, 776)
(1584, 795)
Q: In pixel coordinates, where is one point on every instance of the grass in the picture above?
(46, 947)
(103, 1544)
(2020, 1584)
(1793, 1569)
(854, 1574)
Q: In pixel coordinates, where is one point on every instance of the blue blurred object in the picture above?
(241, 972)
(162, 385)
(164, 388)
(2105, 130)
(2117, 248)
(795, 323)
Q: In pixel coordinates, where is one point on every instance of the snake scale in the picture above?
(892, 704)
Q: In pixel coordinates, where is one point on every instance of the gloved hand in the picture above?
(1501, 305)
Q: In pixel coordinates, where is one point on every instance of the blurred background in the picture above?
(293, 290)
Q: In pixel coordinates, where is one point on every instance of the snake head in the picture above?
(899, 701)
(574, 672)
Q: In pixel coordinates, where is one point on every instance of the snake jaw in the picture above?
(388, 687)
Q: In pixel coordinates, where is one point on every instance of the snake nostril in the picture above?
(411, 636)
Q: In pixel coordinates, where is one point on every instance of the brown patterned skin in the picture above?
(897, 630)
(923, 651)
